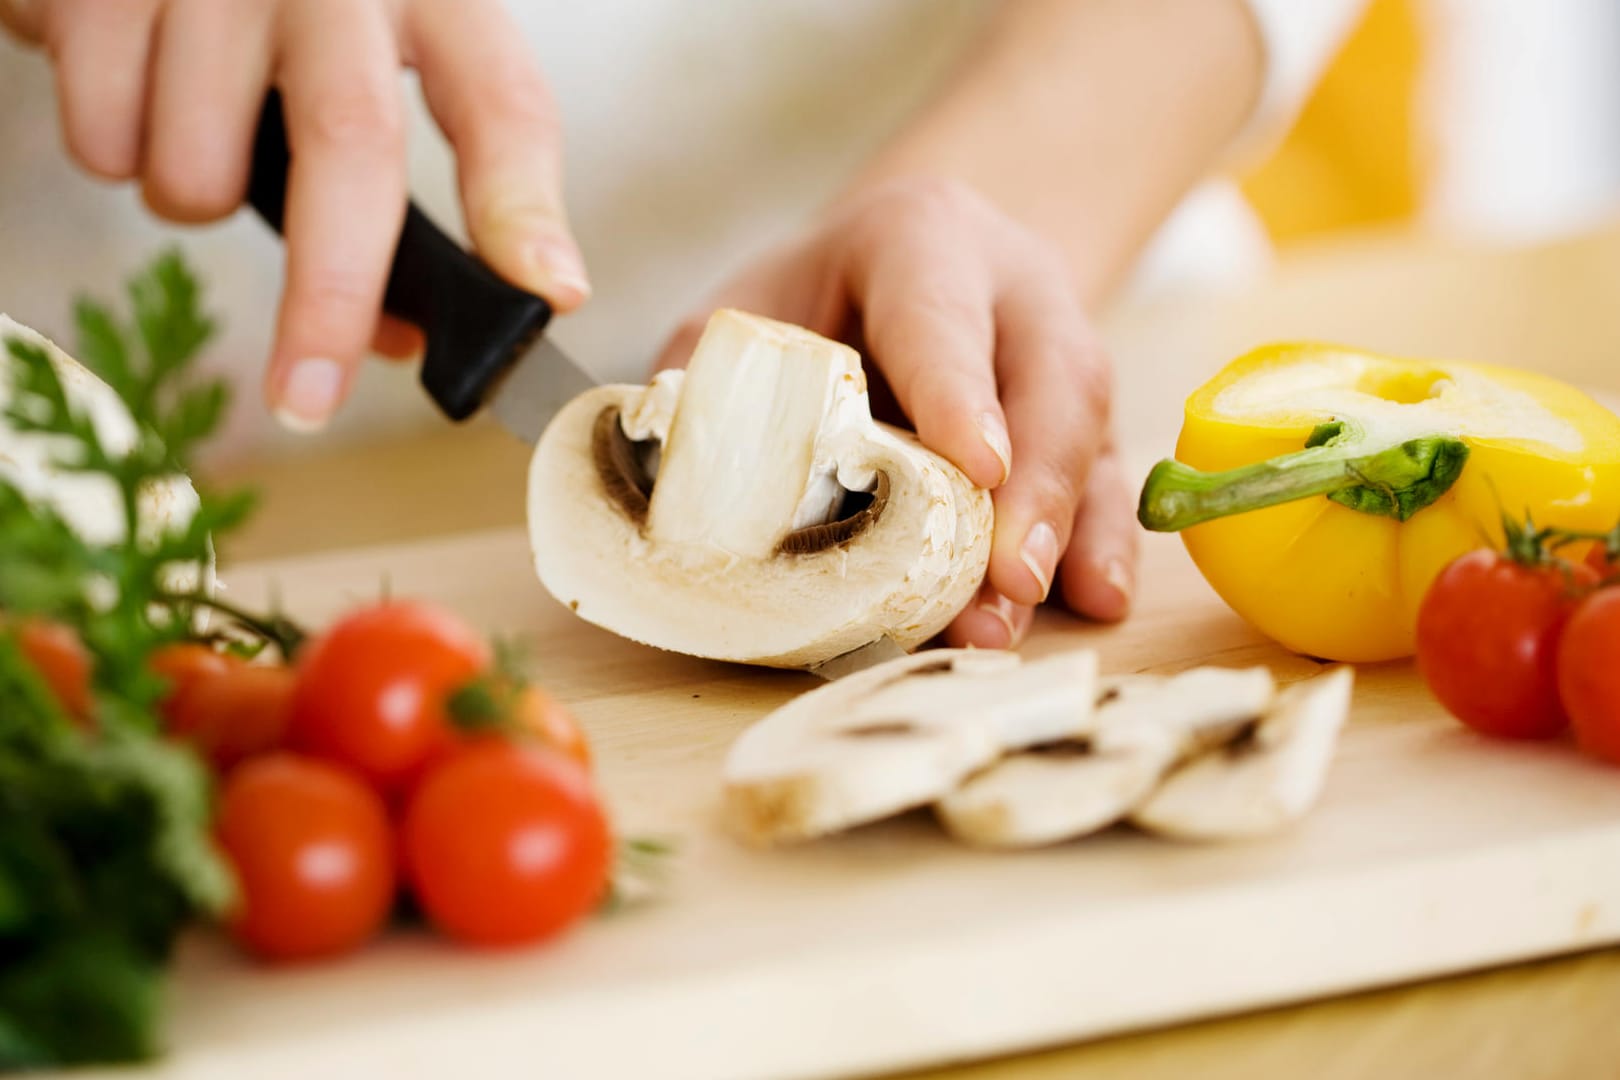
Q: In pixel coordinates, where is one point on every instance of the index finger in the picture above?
(346, 196)
(927, 316)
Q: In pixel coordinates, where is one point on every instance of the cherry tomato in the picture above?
(61, 659)
(547, 720)
(236, 714)
(506, 843)
(1589, 674)
(1598, 559)
(1487, 641)
(371, 692)
(313, 855)
(224, 706)
(181, 665)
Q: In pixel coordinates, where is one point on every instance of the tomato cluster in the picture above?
(351, 778)
(1524, 644)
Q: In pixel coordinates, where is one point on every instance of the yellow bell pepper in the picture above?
(1322, 489)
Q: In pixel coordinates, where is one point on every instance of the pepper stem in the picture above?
(1394, 481)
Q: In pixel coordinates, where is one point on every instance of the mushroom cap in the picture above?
(906, 575)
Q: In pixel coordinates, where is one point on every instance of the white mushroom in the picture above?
(1142, 727)
(1262, 781)
(898, 736)
(90, 503)
(750, 508)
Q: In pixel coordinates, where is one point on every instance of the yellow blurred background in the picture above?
(1484, 116)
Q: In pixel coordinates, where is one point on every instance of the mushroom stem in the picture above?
(741, 458)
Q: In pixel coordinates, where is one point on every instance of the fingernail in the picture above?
(558, 269)
(309, 396)
(1117, 574)
(994, 433)
(1001, 608)
(1040, 554)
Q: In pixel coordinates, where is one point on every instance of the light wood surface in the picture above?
(1432, 851)
(1552, 308)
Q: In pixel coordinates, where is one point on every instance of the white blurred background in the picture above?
(697, 133)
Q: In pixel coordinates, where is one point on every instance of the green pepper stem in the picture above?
(1395, 481)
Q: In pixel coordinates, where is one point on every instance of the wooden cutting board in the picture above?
(1433, 851)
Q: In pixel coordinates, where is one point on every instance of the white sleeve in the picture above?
(1299, 39)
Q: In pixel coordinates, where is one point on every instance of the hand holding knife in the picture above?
(485, 343)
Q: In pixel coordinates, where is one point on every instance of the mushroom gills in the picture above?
(898, 736)
(1262, 782)
(1143, 725)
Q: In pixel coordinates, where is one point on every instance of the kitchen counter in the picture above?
(1553, 307)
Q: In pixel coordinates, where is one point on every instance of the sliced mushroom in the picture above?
(88, 502)
(1263, 781)
(898, 736)
(751, 509)
(1143, 726)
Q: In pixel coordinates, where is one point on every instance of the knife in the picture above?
(485, 343)
(866, 656)
(485, 337)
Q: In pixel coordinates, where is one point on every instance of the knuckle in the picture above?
(941, 306)
(924, 206)
(333, 301)
(935, 197)
(1093, 378)
(1055, 492)
(362, 116)
(514, 95)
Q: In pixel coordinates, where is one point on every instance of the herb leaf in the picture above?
(105, 853)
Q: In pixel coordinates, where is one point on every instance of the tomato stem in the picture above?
(1394, 481)
(286, 635)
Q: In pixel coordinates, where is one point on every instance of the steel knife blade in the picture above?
(536, 387)
(866, 656)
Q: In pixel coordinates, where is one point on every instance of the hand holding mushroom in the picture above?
(972, 323)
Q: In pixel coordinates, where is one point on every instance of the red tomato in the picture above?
(546, 719)
(1589, 674)
(237, 714)
(61, 659)
(227, 708)
(1598, 559)
(1487, 641)
(506, 844)
(181, 665)
(371, 692)
(313, 856)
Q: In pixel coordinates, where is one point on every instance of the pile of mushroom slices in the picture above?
(1016, 754)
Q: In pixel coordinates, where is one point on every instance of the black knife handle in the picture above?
(475, 323)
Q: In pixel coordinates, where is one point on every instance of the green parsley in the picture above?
(104, 826)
